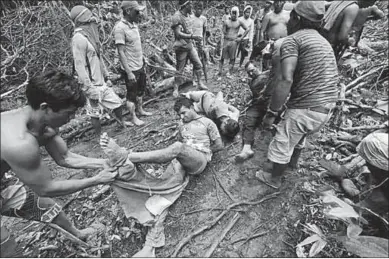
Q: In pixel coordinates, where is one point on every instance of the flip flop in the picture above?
(261, 175)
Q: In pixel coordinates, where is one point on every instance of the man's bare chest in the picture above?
(278, 20)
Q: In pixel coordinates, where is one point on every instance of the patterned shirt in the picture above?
(128, 34)
(199, 134)
(316, 75)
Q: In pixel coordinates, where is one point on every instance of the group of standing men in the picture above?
(298, 95)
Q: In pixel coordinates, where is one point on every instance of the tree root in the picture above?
(185, 240)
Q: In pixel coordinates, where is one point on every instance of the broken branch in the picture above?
(220, 237)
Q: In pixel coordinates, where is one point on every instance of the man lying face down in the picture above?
(146, 196)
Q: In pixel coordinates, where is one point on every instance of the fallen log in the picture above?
(358, 161)
(220, 237)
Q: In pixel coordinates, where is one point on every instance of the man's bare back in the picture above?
(275, 25)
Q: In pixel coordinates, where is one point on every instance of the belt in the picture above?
(320, 109)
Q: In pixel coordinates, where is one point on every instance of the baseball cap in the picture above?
(133, 5)
(311, 10)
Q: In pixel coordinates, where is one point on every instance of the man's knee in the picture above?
(177, 147)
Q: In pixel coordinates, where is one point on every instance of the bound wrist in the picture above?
(272, 113)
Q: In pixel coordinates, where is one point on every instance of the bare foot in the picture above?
(137, 121)
(142, 112)
(93, 230)
(147, 251)
(202, 86)
(243, 156)
(114, 152)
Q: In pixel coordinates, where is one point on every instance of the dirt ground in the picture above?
(275, 222)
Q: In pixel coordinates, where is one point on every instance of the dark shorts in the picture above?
(229, 49)
(136, 89)
(18, 200)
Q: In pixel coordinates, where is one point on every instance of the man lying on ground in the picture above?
(213, 106)
(147, 196)
(53, 100)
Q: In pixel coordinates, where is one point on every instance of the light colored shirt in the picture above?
(199, 134)
(128, 34)
(82, 51)
(198, 24)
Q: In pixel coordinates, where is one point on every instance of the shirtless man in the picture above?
(273, 28)
(274, 23)
(53, 100)
(230, 31)
(223, 114)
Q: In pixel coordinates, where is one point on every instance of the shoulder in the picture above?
(351, 10)
(119, 26)
(24, 152)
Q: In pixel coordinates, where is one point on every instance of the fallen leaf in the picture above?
(366, 246)
(337, 208)
(353, 230)
(317, 247)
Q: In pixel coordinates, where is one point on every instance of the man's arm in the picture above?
(217, 145)
(59, 151)
(234, 112)
(181, 35)
(25, 160)
(350, 13)
(195, 95)
(265, 23)
(282, 88)
(123, 60)
(246, 29)
(79, 48)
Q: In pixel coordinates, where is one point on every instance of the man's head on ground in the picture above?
(132, 11)
(251, 70)
(55, 97)
(234, 13)
(247, 11)
(228, 127)
(185, 109)
(278, 5)
(198, 9)
(81, 15)
(306, 15)
(185, 6)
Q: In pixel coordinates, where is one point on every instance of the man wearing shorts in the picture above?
(213, 106)
(52, 101)
(183, 45)
(310, 76)
(230, 42)
(129, 45)
(90, 68)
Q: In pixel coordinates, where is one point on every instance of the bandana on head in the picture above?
(88, 23)
(235, 9)
(247, 7)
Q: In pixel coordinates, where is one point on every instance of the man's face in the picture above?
(226, 11)
(247, 13)
(278, 5)
(252, 71)
(186, 114)
(135, 15)
(293, 24)
(234, 15)
(268, 5)
(188, 7)
(198, 11)
(61, 117)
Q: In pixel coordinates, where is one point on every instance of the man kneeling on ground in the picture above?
(146, 196)
(223, 114)
(52, 101)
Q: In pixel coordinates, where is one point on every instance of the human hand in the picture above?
(131, 77)
(268, 121)
(106, 176)
(199, 38)
(108, 83)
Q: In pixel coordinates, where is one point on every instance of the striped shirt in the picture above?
(316, 76)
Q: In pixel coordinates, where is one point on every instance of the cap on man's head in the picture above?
(270, 2)
(132, 5)
(80, 11)
(182, 3)
(310, 10)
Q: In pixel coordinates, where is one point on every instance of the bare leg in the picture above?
(232, 62)
(96, 125)
(181, 152)
(135, 120)
(221, 66)
(119, 114)
(139, 106)
(200, 84)
(196, 95)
